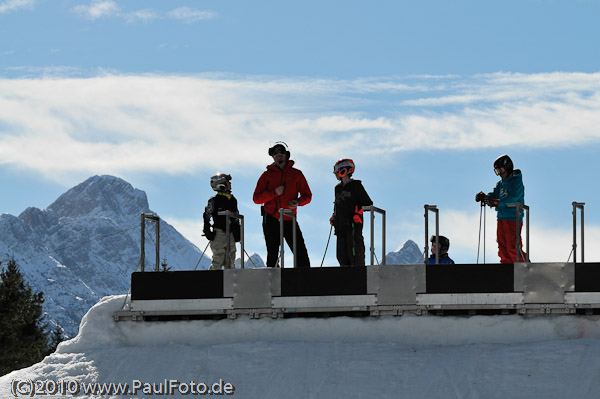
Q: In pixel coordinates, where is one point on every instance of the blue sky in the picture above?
(422, 95)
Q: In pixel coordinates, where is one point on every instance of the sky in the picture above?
(340, 357)
(423, 96)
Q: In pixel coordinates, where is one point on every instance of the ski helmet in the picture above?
(503, 164)
(343, 167)
(444, 244)
(279, 148)
(219, 181)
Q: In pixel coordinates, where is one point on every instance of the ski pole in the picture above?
(484, 214)
(203, 252)
(327, 246)
(479, 237)
(250, 258)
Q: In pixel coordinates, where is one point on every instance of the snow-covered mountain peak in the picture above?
(86, 245)
(407, 254)
(101, 196)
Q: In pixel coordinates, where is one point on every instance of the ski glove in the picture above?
(480, 196)
(490, 201)
(210, 235)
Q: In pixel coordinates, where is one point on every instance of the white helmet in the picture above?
(219, 181)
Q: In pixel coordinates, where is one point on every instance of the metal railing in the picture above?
(282, 213)
(578, 205)
(374, 210)
(434, 209)
(228, 216)
(518, 244)
(156, 221)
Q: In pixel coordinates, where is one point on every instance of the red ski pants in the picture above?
(506, 237)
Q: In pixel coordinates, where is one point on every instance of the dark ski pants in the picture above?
(350, 249)
(271, 231)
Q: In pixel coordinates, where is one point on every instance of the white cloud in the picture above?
(98, 9)
(119, 123)
(191, 15)
(145, 15)
(14, 5)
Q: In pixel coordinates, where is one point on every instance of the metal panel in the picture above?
(181, 304)
(335, 301)
(547, 282)
(512, 298)
(582, 297)
(396, 284)
(252, 288)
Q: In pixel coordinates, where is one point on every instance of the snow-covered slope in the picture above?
(390, 357)
(86, 244)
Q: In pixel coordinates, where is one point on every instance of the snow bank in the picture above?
(99, 330)
(430, 357)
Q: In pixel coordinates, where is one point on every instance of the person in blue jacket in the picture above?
(509, 190)
(444, 246)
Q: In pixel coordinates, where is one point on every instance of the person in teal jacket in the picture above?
(509, 190)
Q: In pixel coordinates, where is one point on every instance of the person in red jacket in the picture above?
(282, 186)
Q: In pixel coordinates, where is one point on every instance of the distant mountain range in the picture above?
(86, 244)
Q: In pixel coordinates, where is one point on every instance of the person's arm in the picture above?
(303, 190)
(263, 193)
(235, 225)
(363, 197)
(207, 230)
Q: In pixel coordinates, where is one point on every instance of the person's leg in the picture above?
(218, 248)
(510, 236)
(359, 245)
(342, 250)
(503, 251)
(232, 251)
(271, 232)
(302, 258)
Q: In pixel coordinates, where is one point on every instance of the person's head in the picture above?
(343, 167)
(503, 166)
(221, 183)
(444, 245)
(280, 153)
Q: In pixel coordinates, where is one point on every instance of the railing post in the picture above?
(434, 209)
(374, 209)
(142, 242)
(578, 205)
(156, 220)
(228, 215)
(518, 246)
(290, 213)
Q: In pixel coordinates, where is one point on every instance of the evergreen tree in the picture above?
(55, 338)
(23, 340)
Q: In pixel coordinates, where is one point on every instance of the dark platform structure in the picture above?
(522, 288)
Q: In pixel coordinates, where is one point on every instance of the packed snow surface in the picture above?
(388, 357)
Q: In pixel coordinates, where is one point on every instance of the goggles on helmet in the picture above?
(343, 167)
(278, 151)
